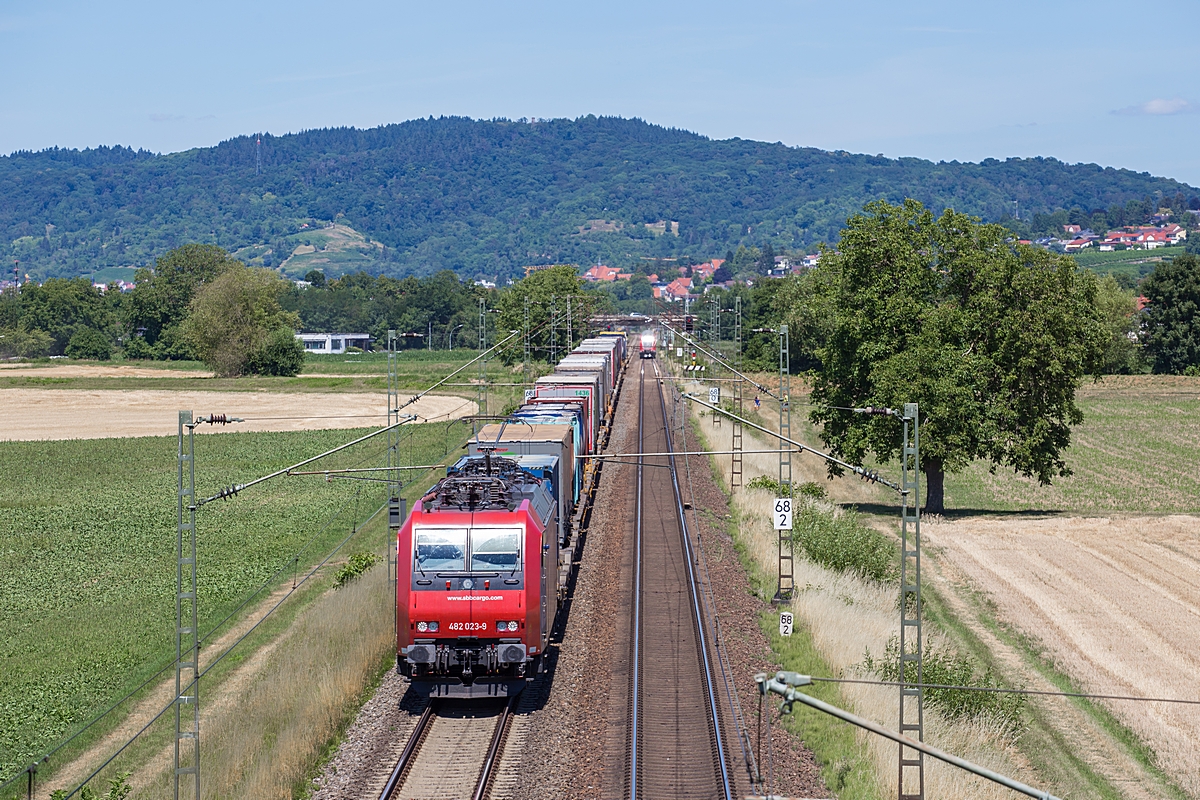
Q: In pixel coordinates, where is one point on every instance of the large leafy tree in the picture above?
(159, 303)
(235, 321)
(990, 337)
(63, 308)
(1118, 309)
(546, 288)
(1172, 315)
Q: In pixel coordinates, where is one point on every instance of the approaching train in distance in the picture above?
(648, 344)
(478, 571)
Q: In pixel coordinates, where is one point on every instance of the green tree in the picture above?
(558, 282)
(281, 354)
(62, 307)
(316, 278)
(766, 259)
(1118, 311)
(232, 318)
(746, 259)
(20, 342)
(1172, 315)
(159, 302)
(991, 338)
(89, 343)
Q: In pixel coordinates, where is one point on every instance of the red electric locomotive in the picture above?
(477, 574)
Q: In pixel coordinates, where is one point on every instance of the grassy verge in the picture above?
(845, 762)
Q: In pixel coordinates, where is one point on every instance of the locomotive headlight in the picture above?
(422, 626)
(507, 625)
(433, 627)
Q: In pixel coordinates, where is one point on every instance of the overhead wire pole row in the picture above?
(186, 567)
(911, 765)
(864, 473)
(403, 419)
(722, 361)
(187, 725)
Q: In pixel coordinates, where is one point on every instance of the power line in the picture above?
(1002, 690)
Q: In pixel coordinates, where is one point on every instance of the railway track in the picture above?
(675, 747)
(452, 752)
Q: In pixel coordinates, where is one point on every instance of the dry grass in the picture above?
(1115, 604)
(267, 732)
(848, 616)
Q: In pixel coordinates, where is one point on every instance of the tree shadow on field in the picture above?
(893, 510)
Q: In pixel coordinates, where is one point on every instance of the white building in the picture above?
(333, 343)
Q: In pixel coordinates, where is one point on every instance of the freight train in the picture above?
(484, 554)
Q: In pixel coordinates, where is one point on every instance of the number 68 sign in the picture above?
(783, 514)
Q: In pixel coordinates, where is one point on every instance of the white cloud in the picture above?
(1160, 107)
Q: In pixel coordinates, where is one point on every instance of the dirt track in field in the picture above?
(1114, 602)
(41, 414)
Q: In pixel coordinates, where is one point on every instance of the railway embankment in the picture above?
(998, 604)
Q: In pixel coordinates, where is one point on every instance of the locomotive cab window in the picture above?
(440, 549)
(496, 549)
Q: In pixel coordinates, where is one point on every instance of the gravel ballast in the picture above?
(567, 740)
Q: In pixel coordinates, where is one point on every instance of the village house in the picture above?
(678, 289)
(601, 273)
(1143, 237)
(705, 271)
(333, 343)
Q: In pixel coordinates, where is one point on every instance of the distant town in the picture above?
(1131, 237)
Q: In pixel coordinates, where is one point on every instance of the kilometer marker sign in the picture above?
(783, 514)
(785, 623)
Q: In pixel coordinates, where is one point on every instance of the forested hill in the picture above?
(485, 198)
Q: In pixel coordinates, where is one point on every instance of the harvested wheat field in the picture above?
(21, 370)
(38, 414)
(1114, 602)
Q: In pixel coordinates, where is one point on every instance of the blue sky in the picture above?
(1106, 82)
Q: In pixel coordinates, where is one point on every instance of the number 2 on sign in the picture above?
(783, 514)
(785, 623)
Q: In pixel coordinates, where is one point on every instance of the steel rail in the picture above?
(635, 662)
(710, 691)
(674, 453)
(407, 755)
(489, 762)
